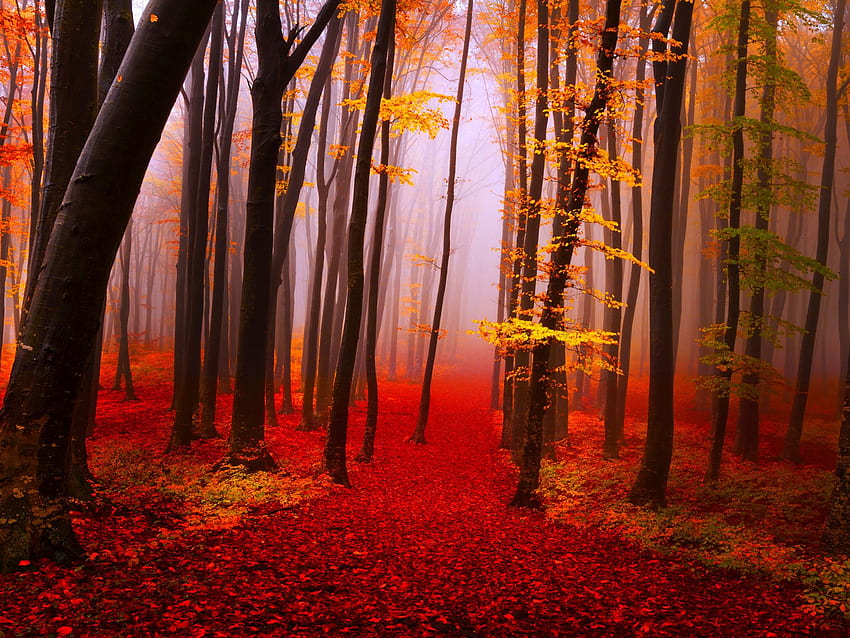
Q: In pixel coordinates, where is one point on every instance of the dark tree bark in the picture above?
(68, 296)
(227, 118)
(733, 295)
(73, 107)
(367, 450)
(613, 314)
(425, 398)
(187, 400)
(283, 227)
(836, 536)
(533, 205)
(277, 66)
(510, 434)
(552, 312)
(334, 456)
(635, 271)
(747, 433)
(791, 449)
(193, 125)
(309, 419)
(651, 483)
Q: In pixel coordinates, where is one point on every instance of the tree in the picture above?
(425, 399)
(68, 294)
(729, 330)
(277, 66)
(334, 455)
(551, 319)
(791, 449)
(227, 118)
(75, 27)
(650, 484)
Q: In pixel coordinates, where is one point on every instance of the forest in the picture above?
(424, 318)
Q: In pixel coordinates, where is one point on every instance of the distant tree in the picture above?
(68, 295)
(122, 370)
(836, 536)
(425, 398)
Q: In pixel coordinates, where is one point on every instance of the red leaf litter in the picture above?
(423, 545)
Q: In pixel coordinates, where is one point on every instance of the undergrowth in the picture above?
(187, 488)
(760, 519)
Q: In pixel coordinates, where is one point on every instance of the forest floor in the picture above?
(422, 545)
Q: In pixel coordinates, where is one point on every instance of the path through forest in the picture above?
(423, 545)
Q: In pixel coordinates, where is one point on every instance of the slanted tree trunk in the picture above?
(650, 484)
(425, 398)
(791, 449)
(552, 315)
(68, 295)
(334, 456)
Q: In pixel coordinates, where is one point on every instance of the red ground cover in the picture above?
(422, 545)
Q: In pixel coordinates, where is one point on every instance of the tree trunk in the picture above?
(227, 118)
(651, 483)
(721, 401)
(277, 66)
(67, 299)
(791, 449)
(334, 456)
(73, 107)
(552, 316)
(123, 368)
(367, 450)
(425, 398)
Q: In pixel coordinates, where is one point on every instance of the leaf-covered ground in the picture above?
(423, 545)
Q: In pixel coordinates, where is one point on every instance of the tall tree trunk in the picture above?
(747, 433)
(227, 118)
(791, 449)
(733, 301)
(67, 299)
(277, 66)
(367, 450)
(836, 536)
(334, 456)
(425, 398)
(510, 431)
(73, 107)
(635, 271)
(552, 315)
(650, 484)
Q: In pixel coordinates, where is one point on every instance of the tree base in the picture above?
(418, 438)
(526, 500)
(309, 426)
(250, 461)
(34, 528)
